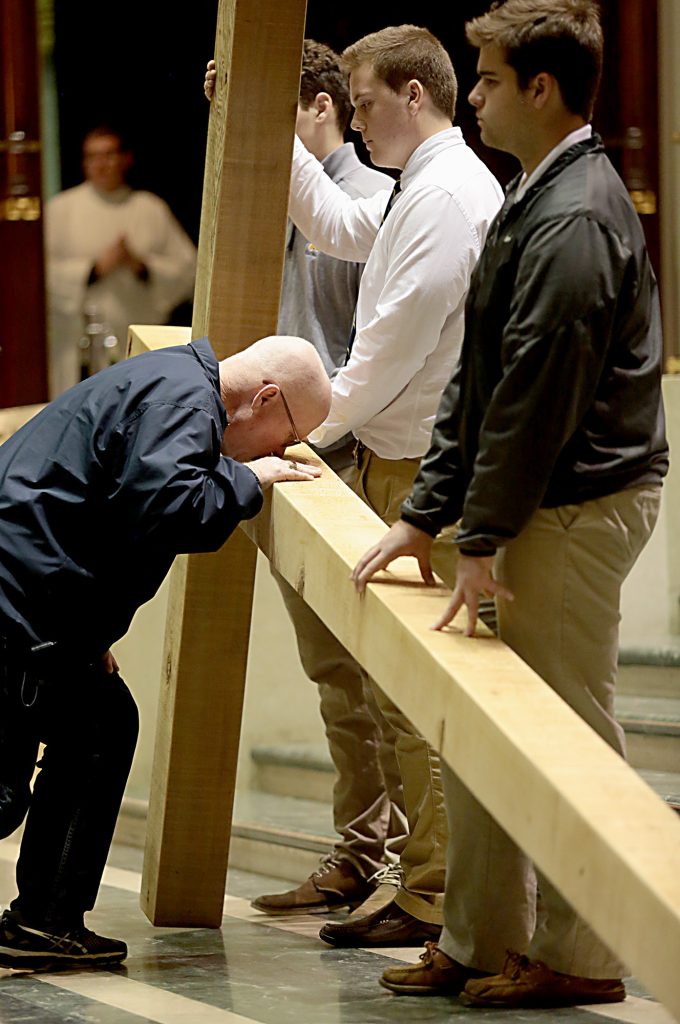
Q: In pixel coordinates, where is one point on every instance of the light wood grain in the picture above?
(240, 265)
(585, 817)
(13, 418)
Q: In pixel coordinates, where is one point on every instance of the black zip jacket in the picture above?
(102, 489)
(557, 397)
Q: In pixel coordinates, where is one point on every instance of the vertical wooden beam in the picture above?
(240, 264)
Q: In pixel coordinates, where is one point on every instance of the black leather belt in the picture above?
(358, 453)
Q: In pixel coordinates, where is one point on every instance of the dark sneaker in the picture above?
(531, 984)
(336, 883)
(24, 947)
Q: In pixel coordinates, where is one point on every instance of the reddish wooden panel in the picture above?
(23, 369)
(627, 112)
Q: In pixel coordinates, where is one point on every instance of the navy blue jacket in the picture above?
(102, 489)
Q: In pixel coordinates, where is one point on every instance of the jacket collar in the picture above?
(202, 349)
(592, 145)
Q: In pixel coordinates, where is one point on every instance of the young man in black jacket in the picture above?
(98, 493)
(549, 450)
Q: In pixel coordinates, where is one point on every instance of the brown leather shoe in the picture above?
(336, 884)
(388, 926)
(532, 984)
(436, 975)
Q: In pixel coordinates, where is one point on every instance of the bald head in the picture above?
(259, 382)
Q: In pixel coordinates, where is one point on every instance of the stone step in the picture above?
(653, 743)
(650, 670)
(295, 769)
(651, 723)
(666, 784)
(286, 837)
(279, 836)
(652, 726)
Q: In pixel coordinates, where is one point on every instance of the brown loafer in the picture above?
(527, 983)
(388, 926)
(336, 884)
(436, 975)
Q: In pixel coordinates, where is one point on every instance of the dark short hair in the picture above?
(561, 37)
(402, 52)
(105, 129)
(322, 72)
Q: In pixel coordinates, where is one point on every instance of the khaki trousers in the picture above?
(368, 800)
(565, 570)
(387, 774)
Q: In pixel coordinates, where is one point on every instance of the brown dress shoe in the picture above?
(436, 975)
(532, 984)
(336, 884)
(388, 926)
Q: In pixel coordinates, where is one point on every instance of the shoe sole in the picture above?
(18, 961)
(368, 942)
(538, 1003)
(300, 911)
(418, 990)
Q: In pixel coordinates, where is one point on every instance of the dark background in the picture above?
(141, 65)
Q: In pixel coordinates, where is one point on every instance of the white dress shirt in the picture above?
(412, 295)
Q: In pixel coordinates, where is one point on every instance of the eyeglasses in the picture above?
(298, 439)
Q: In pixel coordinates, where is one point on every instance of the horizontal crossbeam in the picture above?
(585, 817)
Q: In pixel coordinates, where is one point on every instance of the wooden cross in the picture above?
(495, 722)
(240, 263)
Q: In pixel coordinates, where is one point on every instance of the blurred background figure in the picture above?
(115, 256)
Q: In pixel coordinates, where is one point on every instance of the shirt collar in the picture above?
(429, 149)
(578, 135)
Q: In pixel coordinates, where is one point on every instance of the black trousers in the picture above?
(88, 721)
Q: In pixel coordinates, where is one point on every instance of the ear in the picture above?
(262, 396)
(414, 94)
(323, 104)
(541, 89)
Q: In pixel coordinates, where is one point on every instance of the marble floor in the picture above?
(254, 969)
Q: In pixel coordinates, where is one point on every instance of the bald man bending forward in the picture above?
(98, 494)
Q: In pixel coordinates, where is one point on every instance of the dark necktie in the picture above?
(390, 202)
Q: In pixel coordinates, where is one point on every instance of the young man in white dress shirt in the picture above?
(407, 337)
